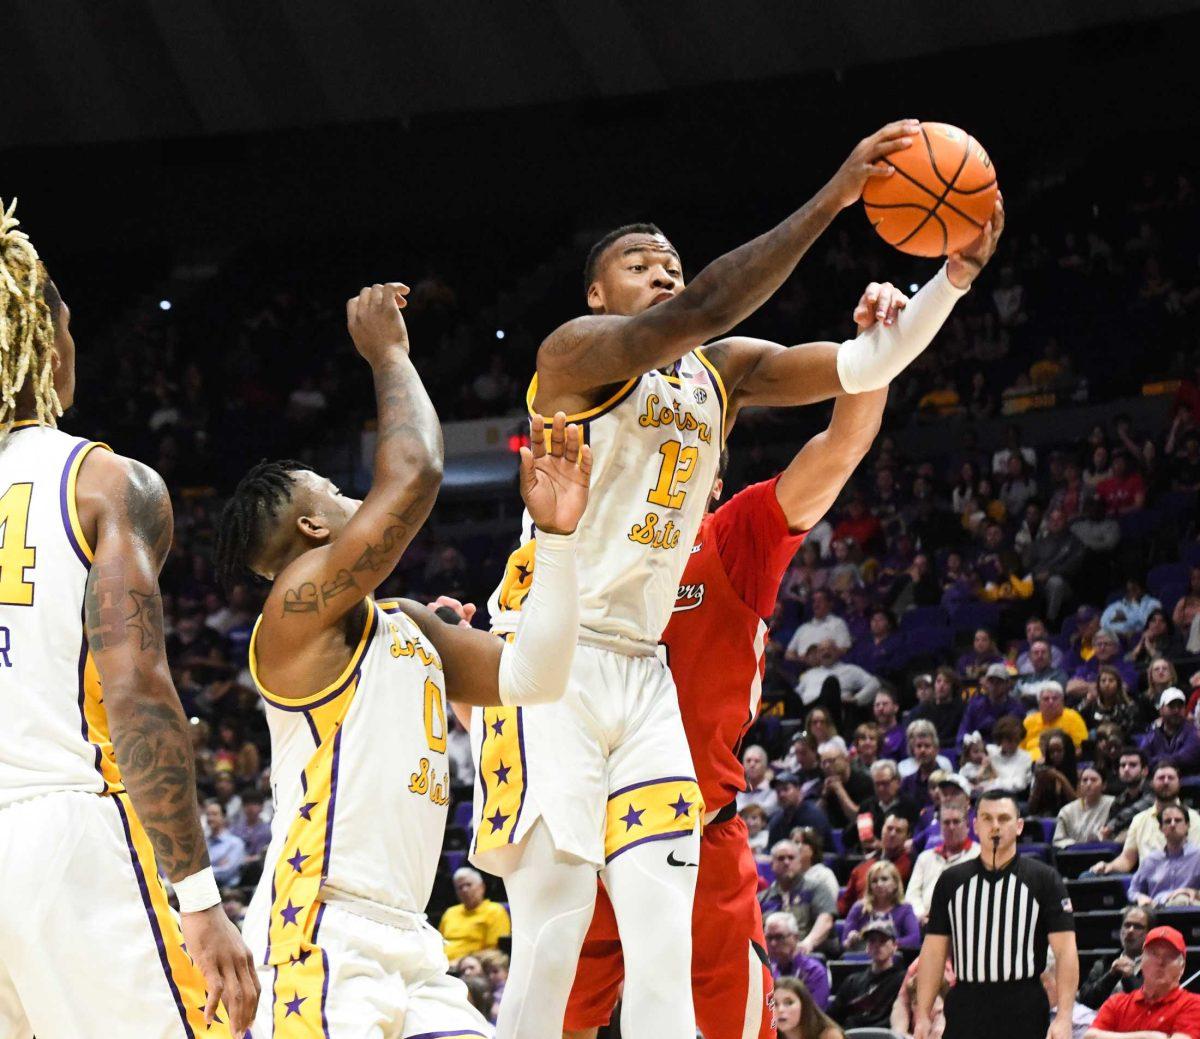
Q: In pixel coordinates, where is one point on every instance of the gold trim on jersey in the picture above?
(72, 506)
(656, 810)
(591, 413)
(335, 688)
(502, 776)
(518, 577)
(712, 370)
(304, 857)
(186, 981)
(96, 718)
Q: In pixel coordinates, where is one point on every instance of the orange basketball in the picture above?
(940, 196)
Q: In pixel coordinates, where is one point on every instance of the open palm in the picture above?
(555, 477)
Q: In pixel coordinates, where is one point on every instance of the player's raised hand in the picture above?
(375, 322)
(463, 610)
(216, 947)
(554, 480)
(869, 159)
(963, 267)
(881, 302)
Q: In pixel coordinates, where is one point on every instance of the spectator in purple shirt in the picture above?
(886, 708)
(984, 652)
(884, 897)
(254, 831)
(1173, 737)
(1173, 873)
(882, 651)
(1107, 651)
(787, 961)
(986, 708)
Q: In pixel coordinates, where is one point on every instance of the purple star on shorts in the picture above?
(681, 806)
(502, 773)
(289, 913)
(293, 1005)
(632, 818)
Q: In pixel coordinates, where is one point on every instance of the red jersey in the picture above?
(718, 631)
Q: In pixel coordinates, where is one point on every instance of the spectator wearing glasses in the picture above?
(787, 961)
(1124, 974)
(1169, 876)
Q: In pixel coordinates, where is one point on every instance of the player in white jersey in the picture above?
(355, 695)
(607, 782)
(97, 788)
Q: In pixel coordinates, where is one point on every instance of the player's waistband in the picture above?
(389, 916)
(627, 647)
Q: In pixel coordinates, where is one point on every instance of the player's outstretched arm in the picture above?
(127, 506)
(766, 374)
(317, 589)
(481, 669)
(594, 351)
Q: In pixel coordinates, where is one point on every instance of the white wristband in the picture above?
(198, 892)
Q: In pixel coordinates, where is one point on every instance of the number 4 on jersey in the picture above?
(16, 555)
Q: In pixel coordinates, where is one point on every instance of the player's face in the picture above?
(636, 273)
(64, 346)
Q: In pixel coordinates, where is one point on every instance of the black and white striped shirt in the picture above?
(998, 921)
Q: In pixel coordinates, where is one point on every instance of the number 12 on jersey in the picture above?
(16, 554)
(678, 466)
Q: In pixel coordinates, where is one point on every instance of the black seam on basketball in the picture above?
(896, 205)
(975, 191)
(933, 194)
(937, 205)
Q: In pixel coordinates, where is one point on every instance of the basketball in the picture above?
(940, 197)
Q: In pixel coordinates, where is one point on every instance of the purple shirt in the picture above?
(981, 714)
(878, 657)
(904, 920)
(1183, 748)
(811, 971)
(1161, 873)
(1091, 668)
(895, 744)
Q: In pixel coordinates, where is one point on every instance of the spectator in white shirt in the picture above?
(956, 847)
(825, 625)
(758, 781)
(857, 686)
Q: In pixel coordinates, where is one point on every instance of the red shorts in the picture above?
(731, 984)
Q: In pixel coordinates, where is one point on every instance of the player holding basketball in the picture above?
(714, 647)
(355, 696)
(603, 780)
(97, 786)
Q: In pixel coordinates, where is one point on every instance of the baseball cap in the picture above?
(1162, 934)
(786, 778)
(997, 671)
(923, 680)
(1171, 695)
(881, 925)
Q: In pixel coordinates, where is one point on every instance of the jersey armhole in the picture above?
(66, 500)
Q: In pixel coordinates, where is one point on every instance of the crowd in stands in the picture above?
(1022, 615)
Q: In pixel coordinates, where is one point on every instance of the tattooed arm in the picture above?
(126, 514)
(124, 626)
(592, 352)
(313, 594)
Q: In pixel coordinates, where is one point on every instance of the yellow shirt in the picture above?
(473, 930)
(1069, 721)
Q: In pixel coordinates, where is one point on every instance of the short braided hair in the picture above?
(29, 304)
(249, 514)
(592, 264)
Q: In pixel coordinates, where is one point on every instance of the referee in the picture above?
(995, 914)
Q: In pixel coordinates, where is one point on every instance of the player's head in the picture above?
(37, 353)
(630, 270)
(718, 487)
(278, 511)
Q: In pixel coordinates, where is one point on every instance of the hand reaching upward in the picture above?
(554, 481)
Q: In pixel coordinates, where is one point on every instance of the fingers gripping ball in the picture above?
(940, 197)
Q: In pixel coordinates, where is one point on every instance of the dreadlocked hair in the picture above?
(26, 326)
(248, 516)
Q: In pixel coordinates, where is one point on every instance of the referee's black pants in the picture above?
(997, 1010)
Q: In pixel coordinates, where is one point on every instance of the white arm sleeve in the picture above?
(535, 666)
(882, 352)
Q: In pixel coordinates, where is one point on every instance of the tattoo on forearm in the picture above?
(153, 749)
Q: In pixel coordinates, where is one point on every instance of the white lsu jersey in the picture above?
(656, 444)
(53, 727)
(361, 784)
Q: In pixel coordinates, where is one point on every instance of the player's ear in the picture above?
(718, 489)
(313, 528)
(595, 296)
